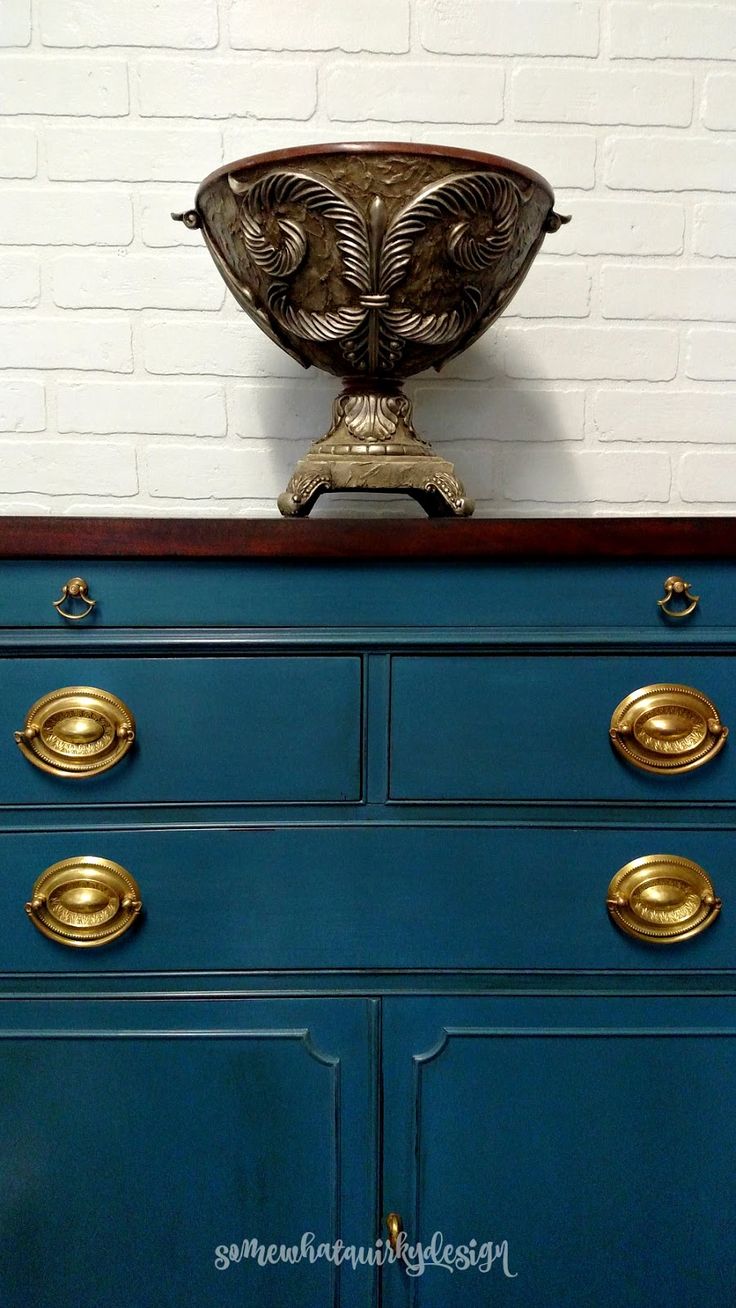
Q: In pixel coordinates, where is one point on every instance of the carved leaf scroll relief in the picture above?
(470, 218)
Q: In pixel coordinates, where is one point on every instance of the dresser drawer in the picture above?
(215, 730)
(536, 727)
(367, 898)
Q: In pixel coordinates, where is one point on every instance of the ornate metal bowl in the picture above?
(374, 262)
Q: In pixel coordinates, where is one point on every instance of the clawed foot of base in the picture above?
(302, 493)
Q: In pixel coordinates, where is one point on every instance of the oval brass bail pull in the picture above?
(676, 586)
(77, 731)
(84, 901)
(394, 1226)
(667, 729)
(662, 898)
(76, 589)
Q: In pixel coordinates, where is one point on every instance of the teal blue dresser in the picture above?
(355, 871)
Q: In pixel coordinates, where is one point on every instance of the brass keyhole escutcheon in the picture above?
(77, 731)
(667, 729)
(662, 898)
(84, 901)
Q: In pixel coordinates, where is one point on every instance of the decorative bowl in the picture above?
(374, 262)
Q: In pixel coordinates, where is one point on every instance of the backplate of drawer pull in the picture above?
(84, 901)
(77, 731)
(663, 728)
(662, 898)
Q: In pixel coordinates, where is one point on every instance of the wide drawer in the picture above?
(367, 898)
(208, 730)
(391, 593)
(536, 727)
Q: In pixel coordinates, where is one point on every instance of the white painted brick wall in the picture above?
(607, 387)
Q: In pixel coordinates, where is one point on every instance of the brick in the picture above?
(715, 230)
(708, 476)
(30, 85)
(619, 227)
(711, 355)
(553, 289)
(719, 100)
(670, 163)
(155, 408)
(65, 217)
(56, 467)
(188, 88)
(17, 152)
(253, 470)
(638, 96)
(20, 281)
(139, 153)
(567, 160)
(319, 25)
(66, 341)
(221, 347)
(22, 406)
(644, 292)
(608, 353)
(176, 23)
(15, 22)
(564, 476)
(673, 31)
(499, 413)
(426, 92)
(156, 227)
(662, 415)
(509, 27)
(183, 279)
(282, 411)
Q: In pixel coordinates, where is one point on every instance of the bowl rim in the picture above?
(378, 147)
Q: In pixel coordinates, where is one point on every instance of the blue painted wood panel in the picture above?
(137, 1138)
(368, 898)
(500, 727)
(595, 1136)
(431, 593)
(208, 730)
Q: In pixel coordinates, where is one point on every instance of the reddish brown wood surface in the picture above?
(369, 538)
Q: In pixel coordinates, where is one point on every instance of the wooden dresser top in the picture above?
(367, 538)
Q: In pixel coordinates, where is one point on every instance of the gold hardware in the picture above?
(77, 732)
(395, 1226)
(676, 586)
(84, 901)
(665, 728)
(661, 898)
(75, 589)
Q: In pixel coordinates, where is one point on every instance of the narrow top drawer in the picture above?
(390, 593)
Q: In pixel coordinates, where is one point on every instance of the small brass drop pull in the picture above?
(394, 1226)
(75, 590)
(662, 898)
(84, 901)
(77, 731)
(675, 586)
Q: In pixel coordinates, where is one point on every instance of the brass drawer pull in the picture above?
(75, 589)
(394, 1226)
(84, 901)
(77, 731)
(665, 728)
(676, 586)
(661, 898)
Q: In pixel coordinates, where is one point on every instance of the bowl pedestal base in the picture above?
(372, 446)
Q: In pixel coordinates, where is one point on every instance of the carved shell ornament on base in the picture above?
(374, 262)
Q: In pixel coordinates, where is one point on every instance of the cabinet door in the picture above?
(139, 1136)
(596, 1137)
